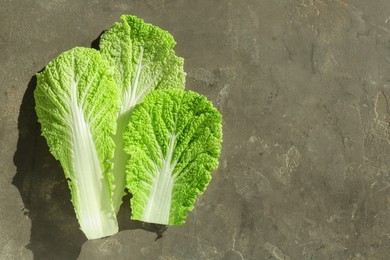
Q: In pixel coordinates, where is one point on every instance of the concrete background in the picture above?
(302, 86)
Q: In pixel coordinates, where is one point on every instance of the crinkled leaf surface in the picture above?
(143, 59)
(174, 142)
(76, 102)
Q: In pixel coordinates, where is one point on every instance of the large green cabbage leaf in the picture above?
(143, 59)
(77, 102)
(174, 142)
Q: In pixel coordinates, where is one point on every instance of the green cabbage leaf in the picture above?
(77, 102)
(174, 141)
(143, 59)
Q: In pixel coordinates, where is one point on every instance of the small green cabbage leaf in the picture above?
(174, 142)
(76, 102)
(143, 59)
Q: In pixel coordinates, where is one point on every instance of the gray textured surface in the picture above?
(302, 86)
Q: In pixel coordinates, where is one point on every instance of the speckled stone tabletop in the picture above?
(302, 86)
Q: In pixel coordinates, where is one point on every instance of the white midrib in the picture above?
(120, 161)
(130, 93)
(94, 205)
(129, 101)
(158, 206)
